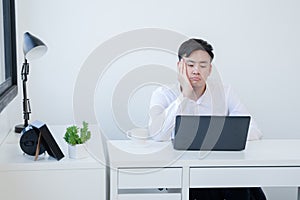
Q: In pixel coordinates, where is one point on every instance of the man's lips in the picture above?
(195, 78)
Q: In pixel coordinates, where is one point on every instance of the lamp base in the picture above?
(19, 128)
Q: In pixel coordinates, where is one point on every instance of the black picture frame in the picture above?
(48, 140)
(8, 87)
(36, 139)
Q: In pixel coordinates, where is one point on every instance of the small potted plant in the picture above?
(76, 138)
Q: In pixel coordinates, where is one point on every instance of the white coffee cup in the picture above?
(138, 134)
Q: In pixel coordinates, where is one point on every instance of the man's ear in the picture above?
(210, 68)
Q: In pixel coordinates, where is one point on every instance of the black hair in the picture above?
(191, 45)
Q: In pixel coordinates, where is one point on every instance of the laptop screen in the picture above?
(213, 133)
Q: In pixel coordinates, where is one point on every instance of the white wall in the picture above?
(8, 119)
(256, 45)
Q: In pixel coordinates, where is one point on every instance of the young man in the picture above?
(196, 94)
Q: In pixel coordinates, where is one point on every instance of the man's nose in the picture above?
(196, 70)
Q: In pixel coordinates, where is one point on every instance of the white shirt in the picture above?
(167, 102)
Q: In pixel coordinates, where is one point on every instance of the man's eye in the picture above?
(190, 64)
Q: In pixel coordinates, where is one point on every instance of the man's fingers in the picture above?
(180, 67)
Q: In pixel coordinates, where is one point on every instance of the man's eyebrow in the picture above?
(193, 61)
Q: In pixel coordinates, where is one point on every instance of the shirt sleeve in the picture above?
(164, 106)
(235, 107)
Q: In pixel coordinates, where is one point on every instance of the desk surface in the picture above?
(271, 152)
(12, 157)
(270, 163)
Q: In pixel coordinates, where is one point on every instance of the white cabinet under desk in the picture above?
(142, 176)
(139, 171)
(149, 183)
(69, 179)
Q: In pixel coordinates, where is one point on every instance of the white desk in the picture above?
(136, 170)
(23, 178)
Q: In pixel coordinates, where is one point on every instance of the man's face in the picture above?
(198, 68)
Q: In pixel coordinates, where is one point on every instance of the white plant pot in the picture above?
(77, 151)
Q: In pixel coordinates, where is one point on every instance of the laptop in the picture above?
(211, 133)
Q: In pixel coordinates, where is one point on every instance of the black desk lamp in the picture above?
(32, 48)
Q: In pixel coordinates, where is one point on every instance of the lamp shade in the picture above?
(33, 47)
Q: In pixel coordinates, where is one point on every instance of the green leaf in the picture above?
(72, 134)
(85, 134)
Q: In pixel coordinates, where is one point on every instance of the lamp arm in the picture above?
(26, 104)
(25, 70)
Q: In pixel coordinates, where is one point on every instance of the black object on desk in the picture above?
(37, 138)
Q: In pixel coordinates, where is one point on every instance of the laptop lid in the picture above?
(211, 133)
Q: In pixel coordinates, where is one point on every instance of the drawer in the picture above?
(244, 177)
(149, 197)
(149, 178)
